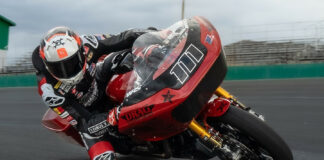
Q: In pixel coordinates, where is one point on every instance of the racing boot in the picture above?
(102, 150)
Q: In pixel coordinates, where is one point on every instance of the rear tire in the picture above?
(257, 130)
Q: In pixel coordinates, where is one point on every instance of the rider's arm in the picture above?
(106, 44)
(66, 107)
(53, 100)
(115, 63)
(93, 125)
(121, 41)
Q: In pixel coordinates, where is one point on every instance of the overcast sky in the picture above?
(36, 17)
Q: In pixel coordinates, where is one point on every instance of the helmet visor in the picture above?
(69, 67)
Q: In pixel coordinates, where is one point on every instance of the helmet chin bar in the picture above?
(73, 80)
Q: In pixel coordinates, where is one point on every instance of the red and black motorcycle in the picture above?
(173, 105)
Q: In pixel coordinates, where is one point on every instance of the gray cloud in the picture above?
(35, 17)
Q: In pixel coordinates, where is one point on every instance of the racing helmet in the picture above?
(63, 55)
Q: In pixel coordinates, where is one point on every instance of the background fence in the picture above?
(286, 43)
(19, 65)
(247, 52)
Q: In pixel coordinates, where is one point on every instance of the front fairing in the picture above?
(175, 72)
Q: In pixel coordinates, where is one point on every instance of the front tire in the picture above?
(256, 132)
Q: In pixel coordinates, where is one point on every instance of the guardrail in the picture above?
(234, 73)
(18, 80)
(281, 71)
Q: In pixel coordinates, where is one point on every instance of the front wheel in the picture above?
(245, 133)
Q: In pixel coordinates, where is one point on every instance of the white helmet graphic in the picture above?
(63, 55)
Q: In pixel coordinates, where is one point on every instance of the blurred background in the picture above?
(274, 49)
(253, 32)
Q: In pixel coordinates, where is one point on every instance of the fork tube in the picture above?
(223, 93)
(203, 133)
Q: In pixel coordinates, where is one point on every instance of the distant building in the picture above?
(248, 52)
(4, 36)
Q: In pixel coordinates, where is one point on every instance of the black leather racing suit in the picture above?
(85, 105)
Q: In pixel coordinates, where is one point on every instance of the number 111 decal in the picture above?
(187, 63)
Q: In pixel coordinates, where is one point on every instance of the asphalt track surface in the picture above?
(293, 107)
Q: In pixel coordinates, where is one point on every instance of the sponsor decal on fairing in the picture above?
(209, 39)
(187, 63)
(141, 112)
(167, 97)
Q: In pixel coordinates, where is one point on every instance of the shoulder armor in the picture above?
(90, 40)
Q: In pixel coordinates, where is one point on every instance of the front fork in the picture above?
(207, 136)
(211, 136)
(221, 92)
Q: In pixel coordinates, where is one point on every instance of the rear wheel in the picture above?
(248, 137)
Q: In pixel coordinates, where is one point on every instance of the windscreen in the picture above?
(155, 53)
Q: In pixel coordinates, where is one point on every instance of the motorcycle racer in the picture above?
(72, 83)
